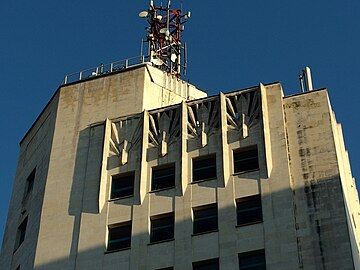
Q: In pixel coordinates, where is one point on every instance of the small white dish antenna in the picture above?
(163, 30)
(143, 14)
(173, 57)
(159, 17)
(157, 62)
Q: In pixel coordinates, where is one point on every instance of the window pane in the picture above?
(30, 182)
(204, 168)
(205, 219)
(212, 264)
(122, 185)
(119, 236)
(246, 159)
(162, 228)
(249, 210)
(163, 177)
(21, 233)
(254, 260)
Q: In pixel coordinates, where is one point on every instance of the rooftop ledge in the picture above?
(104, 69)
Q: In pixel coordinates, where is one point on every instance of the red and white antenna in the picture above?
(164, 37)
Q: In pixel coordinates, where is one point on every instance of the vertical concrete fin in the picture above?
(184, 153)
(266, 128)
(225, 148)
(143, 163)
(104, 173)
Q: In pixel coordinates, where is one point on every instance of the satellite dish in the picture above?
(159, 17)
(173, 57)
(143, 14)
(157, 62)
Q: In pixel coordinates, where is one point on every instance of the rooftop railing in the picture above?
(105, 69)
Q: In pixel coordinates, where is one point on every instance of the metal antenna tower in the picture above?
(164, 37)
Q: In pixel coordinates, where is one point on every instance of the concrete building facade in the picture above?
(139, 170)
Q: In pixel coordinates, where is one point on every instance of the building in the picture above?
(129, 167)
(137, 169)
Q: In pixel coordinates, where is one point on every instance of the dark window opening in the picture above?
(253, 260)
(205, 219)
(204, 168)
(30, 183)
(122, 185)
(163, 177)
(162, 228)
(212, 264)
(246, 159)
(249, 210)
(21, 233)
(119, 236)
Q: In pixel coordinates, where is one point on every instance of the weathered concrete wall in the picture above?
(35, 150)
(75, 162)
(321, 221)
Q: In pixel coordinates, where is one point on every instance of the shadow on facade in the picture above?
(302, 228)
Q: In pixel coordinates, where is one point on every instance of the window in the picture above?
(246, 159)
(204, 168)
(249, 210)
(162, 228)
(21, 232)
(254, 260)
(30, 183)
(163, 177)
(205, 219)
(119, 236)
(212, 264)
(122, 185)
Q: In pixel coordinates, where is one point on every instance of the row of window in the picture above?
(21, 230)
(253, 260)
(204, 168)
(205, 220)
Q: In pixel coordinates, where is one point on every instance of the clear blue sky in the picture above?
(232, 44)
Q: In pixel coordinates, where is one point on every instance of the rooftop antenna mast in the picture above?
(164, 37)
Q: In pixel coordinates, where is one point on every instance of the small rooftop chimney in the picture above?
(306, 80)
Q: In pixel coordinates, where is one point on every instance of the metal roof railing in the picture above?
(105, 69)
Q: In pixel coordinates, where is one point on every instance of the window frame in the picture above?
(241, 150)
(199, 159)
(163, 168)
(21, 233)
(156, 219)
(196, 226)
(203, 263)
(118, 177)
(126, 225)
(250, 255)
(29, 184)
(245, 200)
